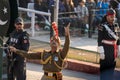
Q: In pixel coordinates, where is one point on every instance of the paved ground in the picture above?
(76, 42)
(34, 72)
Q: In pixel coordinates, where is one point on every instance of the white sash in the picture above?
(111, 32)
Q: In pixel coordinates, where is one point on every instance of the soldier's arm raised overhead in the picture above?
(67, 42)
(26, 54)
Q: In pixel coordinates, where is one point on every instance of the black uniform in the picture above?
(16, 63)
(108, 64)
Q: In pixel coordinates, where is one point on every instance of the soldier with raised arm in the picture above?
(52, 60)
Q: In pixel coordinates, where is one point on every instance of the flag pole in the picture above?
(1, 57)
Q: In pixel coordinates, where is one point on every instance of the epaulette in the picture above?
(116, 25)
(26, 33)
(100, 27)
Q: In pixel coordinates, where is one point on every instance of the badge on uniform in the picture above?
(55, 58)
(25, 41)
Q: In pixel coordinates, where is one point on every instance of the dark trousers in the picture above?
(107, 70)
(17, 71)
(81, 25)
(107, 74)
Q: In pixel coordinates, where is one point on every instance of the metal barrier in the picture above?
(94, 19)
(33, 12)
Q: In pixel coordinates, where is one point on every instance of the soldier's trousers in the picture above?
(107, 70)
(17, 71)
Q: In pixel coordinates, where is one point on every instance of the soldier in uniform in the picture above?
(108, 44)
(20, 40)
(52, 60)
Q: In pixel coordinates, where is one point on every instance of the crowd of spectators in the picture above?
(83, 14)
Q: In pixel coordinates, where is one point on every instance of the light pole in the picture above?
(54, 14)
(1, 57)
(56, 10)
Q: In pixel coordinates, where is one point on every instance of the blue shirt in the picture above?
(103, 7)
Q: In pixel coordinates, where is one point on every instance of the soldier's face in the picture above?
(19, 26)
(111, 18)
(54, 45)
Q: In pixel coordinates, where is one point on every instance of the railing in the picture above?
(33, 12)
(94, 19)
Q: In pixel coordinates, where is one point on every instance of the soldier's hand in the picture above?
(67, 33)
(12, 49)
(119, 51)
(102, 56)
(101, 52)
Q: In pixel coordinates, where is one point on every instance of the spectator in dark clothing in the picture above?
(82, 14)
(75, 3)
(91, 5)
(69, 5)
(61, 25)
(115, 5)
(50, 3)
(40, 5)
(23, 3)
(70, 13)
(61, 6)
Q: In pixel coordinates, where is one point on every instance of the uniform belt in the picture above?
(109, 42)
(50, 74)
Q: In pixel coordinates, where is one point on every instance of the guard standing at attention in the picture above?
(20, 40)
(108, 45)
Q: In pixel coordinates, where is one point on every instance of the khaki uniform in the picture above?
(52, 62)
